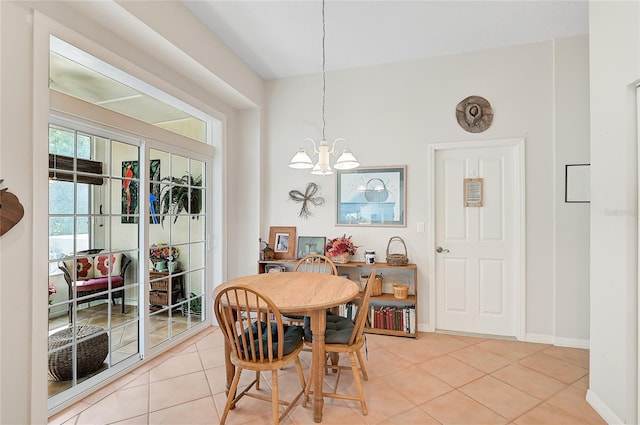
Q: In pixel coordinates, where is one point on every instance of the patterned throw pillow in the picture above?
(107, 264)
(83, 266)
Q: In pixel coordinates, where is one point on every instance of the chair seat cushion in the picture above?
(338, 330)
(98, 284)
(292, 337)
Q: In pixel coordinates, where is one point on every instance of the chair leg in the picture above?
(300, 373)
(231, 395)
(274, 397)
(356, 378)
(307, 387)
(335, 360)
(362, 367)
(257, 380)
(290, 405)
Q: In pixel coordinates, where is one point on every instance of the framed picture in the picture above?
(283, 242)
(372, 196)
(311, 245)
(131, 178)
(473, 192)
(154, 191)
(577, 183)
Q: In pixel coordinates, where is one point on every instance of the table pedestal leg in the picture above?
(318, 325)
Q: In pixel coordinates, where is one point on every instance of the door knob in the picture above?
(441, 250)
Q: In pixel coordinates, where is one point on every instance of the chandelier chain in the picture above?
(324, 80)
(346, 160)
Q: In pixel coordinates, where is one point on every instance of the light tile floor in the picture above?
(436, 379)
(123, 332)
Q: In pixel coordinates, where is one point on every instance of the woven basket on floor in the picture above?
(92, 349)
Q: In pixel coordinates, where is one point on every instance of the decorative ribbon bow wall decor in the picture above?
(307, 196)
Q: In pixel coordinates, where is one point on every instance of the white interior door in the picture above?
(478, 268)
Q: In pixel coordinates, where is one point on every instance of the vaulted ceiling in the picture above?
(284, 38)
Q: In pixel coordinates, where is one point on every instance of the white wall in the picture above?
(16, 246)
(23, 324)
(614, 68)
(390, 113)
(571, 219)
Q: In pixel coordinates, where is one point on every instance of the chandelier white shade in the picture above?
(345, 161)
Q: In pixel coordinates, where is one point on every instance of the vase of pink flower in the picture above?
(52, 290)
(340, 249)
(163, 254)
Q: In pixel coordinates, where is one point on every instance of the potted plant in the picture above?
(180, 196)
(164, 254)
(340, 249)
(52, 291)
(195, 305)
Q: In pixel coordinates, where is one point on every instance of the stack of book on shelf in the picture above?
(348, 310)
(393, 318)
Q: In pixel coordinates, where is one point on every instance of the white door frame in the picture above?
(520, 293)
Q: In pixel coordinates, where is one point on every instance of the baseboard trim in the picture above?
(602, 409)
(557, 341)
(425, 328)
(571, 342)
(536, 338)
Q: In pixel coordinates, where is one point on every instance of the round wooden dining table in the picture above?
(308, 294)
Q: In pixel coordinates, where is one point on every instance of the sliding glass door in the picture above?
(177, 250)
(94, 252)
(129, 182)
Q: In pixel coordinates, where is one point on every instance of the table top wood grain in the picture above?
(300, 292)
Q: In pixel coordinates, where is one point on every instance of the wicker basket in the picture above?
(92, 348)
(158, 298)
(363, 281)
(160, 285)
(400, 291)
(397, 259)
(376, 290)
(341, 259)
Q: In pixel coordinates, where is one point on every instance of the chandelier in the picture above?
(346, 160)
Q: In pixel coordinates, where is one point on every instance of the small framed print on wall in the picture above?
(283, 242)
(577, 183)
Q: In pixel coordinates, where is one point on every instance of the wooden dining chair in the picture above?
(316, 263)
(260, 342)
(312, 263)
(344, 335)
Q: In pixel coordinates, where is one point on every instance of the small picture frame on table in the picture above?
(283, 242)
(311, 245)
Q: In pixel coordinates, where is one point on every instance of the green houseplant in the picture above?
(180, 195)
(195, 305)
